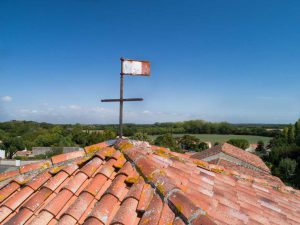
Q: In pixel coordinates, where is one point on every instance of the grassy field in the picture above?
(223, 138)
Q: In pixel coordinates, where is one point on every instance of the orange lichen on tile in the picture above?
(93, 148)
(105, 152)
(91, 167)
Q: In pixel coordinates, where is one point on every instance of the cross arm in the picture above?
(122, 100)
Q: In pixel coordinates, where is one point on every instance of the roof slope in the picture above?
(132, 183)
(230, 165)
(235, 152)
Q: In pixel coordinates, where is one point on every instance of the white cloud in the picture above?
(75, 107)
(6, 98)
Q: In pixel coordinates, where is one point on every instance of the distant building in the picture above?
(232, 154)
(23, 153)
(251, 148)
(233, 158)
(40, 150)
(44, 150)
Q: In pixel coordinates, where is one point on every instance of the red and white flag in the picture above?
(135, 67)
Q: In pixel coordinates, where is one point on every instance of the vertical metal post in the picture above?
(121, 102)
(121, 106)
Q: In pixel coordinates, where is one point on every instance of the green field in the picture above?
(223, 138)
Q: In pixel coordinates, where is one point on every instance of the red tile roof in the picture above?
(136, 184)
(246, 171)
(234, 152)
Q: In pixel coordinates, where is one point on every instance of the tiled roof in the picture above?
(139, 184)
(235, 152)
(230, 165)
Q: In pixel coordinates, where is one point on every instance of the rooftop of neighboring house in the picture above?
(23, 153)
(235, 152)
(130, 182)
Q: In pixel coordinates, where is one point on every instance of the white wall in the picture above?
(2, 154)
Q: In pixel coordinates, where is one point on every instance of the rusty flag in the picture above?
(135, 67)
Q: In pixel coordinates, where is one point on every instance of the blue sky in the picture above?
(235, 61)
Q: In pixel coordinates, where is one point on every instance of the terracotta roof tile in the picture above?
(105, 152)
(77, 209)
(96, 184)
(142, 184)
(4, 212)
(21, 217)
(67, 220)
(136, 189)
(39, 180)
(103, 211)
(146, 196)
(37, 199)
(55, 181)
(108, 169)
(153, 212)
(167, 215)
(6, 175)
(96, 147)
(91, 167)
(43, 218)
(35, 166)
(58, 202)
(67, 156)
(117, 187)
(9, 189)
(16, 200)
(126, 215)
(75, 183)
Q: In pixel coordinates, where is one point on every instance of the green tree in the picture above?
(189, 142)
(240, 143)
(167, 141)
(285, 133)
(216, 143)
(297, 128)
(287, 168)
(291, 134)
(297, 132)
(78, 136)
(11, 145)
(202, 146)
(141, 137)
(261, 147)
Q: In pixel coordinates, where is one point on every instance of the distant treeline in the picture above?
(197, 127)
(19, 128)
